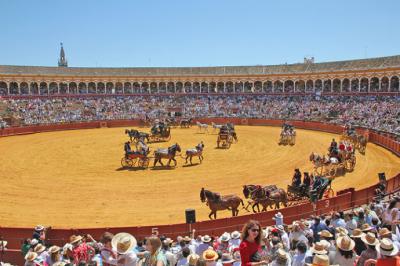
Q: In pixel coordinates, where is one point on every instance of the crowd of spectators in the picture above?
(380, 113)
(367, 235)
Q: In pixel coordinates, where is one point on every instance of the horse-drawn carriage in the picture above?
(300, 194)
(288, 135)
(226, 136)
(135, 159)
(160, 132)
(359, 141)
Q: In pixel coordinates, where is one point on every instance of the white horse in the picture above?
(215, 126)
(202, 127)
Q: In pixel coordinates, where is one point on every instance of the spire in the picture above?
(62, 62)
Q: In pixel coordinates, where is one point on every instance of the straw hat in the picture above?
(210, 254)
(54, 249)
(235, 235)
(206, 238)
(187, 239)
(387, 248)
(366, 227)
(226, 258)
(123, 242)
(325, 233)
(193, 258)
(31, 256)
(318, 248)
(325, 243)
(282, 254)
(345, 243)
(320, 260)
(39, 228)
(342, 230)
(370, 239)
(74, 239)
(34, 242)
(168, 241)
(384, 232)
(357, 233)
(225, 237)
(39, 248)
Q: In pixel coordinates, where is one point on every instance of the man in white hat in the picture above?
(235, 239)
(222, 245)
(278, 218)
(388, 253)
(206, 242)
(124, 244)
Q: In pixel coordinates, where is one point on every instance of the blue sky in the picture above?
(195, 33)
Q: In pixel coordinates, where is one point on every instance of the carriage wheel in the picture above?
(127, 162)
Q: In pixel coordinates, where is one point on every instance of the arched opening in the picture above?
(364, 85)
(289, 86)
(63, 88)
(309, 85)
(394, 84)
(355, 84)
(153, 87)
(92, 87)
(43, 88)
(318, 85)
(213, 87)
(171, 87)
(162, 87)
(127, 88)
(188, 87)
(53, 88)
(384, 84)
(220, 87)
(179, 87)
(34, 88)
(327, 86)
(267, 86)
(110, 88)
(248, 87)
(196, 87)
(119, 89)
(73, 88)
(82, 88)
(278, 86)
(300, 86)
(229, 87)
(374, 86)
(258, 87)
(145, 87)
(14, 88)
(24, 88)
(101, 88)
(136, 87)
(346, 85)
(3, 88)
(204, 87)
(336, 85)
(238, 87)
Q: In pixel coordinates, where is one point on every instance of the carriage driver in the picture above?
(141, 147)
(127, 149)
(296, 180)
(333, 149)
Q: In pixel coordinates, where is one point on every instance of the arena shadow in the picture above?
(133, 169)
(157, 168)
(190, 165)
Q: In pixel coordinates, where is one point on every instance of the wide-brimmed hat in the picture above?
(187, 239)
(370, 239)
(210, 254)
(278, 215)
(235, 235)
(318, 248)
(366, 227)
(281, 253)
(39, 228)
(206, 238)
(325, 243)
(345, 243)
(226, 258)
(74, 239)
(31, 256)
(341, 230)
(193, 258)
(54, 249)
(123, 242)
(357, 233)
(386, 247)
(39, 248)
(384, 232)
(325, 233)
(225, 237)
(320, 260)
(34, 242)
(168, 241)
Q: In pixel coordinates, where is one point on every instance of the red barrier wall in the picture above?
(343, 201)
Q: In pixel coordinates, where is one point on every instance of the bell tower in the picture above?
(62, 62)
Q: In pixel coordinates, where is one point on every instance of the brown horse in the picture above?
(216, 202)
(278, 196)
(257, 193)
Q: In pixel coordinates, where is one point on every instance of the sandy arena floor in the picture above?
(74, 178)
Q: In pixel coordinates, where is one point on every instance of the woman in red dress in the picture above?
(250, 245)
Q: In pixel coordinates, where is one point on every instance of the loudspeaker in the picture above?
(190, 216)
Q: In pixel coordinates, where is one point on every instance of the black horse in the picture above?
(185, 123)
(136, 135)
(169, 154)
(257, 193)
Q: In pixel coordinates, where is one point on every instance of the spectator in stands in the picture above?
(210, 256)
(344, 255)
(317, 227)
(370, 253)
(123, 244)
(80, 250)
(153, 255)
(184, 259)
(54, 257)
(206, 241)
(300, 256)
(359, 244)
(109, 256)
(251, 238)
(30, 259)
(42, 254)
(278, 218)
(388, 253)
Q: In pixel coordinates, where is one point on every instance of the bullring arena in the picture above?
(85, 164)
